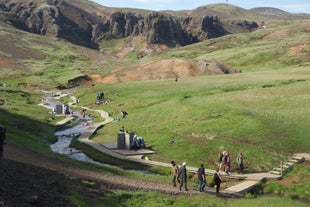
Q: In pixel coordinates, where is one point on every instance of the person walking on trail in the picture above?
(239, 160)
(182, 175)
(201, 178)
(2, 138)
(217, 180)
(174, 173)
(226, 159)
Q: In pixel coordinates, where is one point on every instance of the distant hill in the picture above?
(272, 14)
(88, 24)
(57, 42)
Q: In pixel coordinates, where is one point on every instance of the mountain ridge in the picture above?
(88, 24)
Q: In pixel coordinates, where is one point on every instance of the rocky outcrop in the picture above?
(52, 18)
(62, 19)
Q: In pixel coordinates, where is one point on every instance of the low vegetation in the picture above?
(263, 112)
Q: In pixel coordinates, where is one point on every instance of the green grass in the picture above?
(295, 184)
(263, 112)
(241, 112)
(140, 198)
(275, 47)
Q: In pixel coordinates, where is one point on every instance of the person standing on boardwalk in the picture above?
(174, 173)
(226, 159)
(217, 180)
(201, 178)
(240, 162)
(182, 175)
(2, 138)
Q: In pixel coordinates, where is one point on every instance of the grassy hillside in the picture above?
(240, 112)
(236, 112)
(263, 112)
(276, 47)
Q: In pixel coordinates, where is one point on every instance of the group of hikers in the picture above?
(179, 174)
(137, 142)
(100, 99)
(224, 160)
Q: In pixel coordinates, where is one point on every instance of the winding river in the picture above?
(64, 137)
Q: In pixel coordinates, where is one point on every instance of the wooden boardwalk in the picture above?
(242, 187)
(250, 179)
(306, 156)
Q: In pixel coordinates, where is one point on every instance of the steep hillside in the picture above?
(38, 61)
(277, 46)
(54, 62)
(88, 24)
(50, 62)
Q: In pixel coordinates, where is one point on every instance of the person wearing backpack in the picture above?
(217, 179)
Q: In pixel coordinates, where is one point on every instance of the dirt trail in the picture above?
(13, 152)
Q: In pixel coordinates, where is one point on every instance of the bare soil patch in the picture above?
(169, 68)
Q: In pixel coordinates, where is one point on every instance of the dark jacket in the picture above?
(182, 173)
(201, 173)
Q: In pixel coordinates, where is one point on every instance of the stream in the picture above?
(64, 137)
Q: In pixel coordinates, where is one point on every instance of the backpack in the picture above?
(221, 158)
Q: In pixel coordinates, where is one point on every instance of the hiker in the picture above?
(226, 160)
(137, 143)
(239, 160)
(100, 96)
(174, 173)
(201, 178)
(66, 109)
(84, 113)
(124, 114)
(217, 179)
(134, 144)
(182, 175)
(2, 138)
(140, 142)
